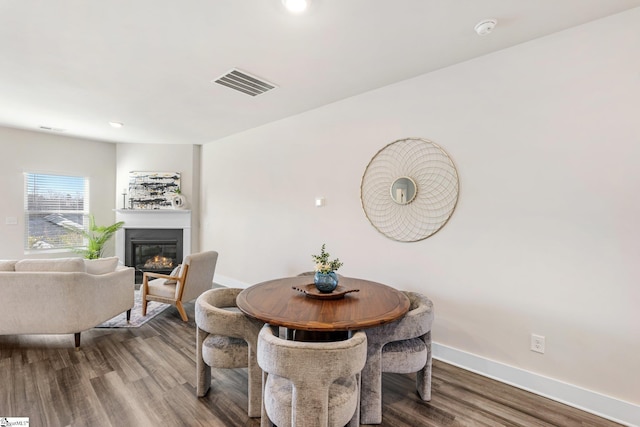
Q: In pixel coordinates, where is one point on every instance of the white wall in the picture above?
(545, 235)
(164, 158)
(25, 151)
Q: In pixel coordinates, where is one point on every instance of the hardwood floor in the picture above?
(146, 377)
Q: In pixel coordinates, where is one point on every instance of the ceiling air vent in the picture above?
(244, 83)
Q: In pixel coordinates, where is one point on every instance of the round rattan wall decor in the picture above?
(409, 189)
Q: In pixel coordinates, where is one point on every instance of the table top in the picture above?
(277, 303)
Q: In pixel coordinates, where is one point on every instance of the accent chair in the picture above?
(194, 277)
(402, 346)
(226, 338)
(311, 384)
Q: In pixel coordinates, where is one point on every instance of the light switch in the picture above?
(11, 220)
(319, 202)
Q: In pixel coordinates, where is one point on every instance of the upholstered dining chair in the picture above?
(195, 277)
(307, 273)
(403, 347)
(226, 338)
(311, 384)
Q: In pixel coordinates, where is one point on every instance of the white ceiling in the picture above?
(78, 64)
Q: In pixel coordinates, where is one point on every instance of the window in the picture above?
(56, 207)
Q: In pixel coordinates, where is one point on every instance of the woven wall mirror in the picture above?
(409, 189)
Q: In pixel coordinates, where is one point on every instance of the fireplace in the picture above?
(148, 227)
(155, 250)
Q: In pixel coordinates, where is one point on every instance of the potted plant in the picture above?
(325, 277)
(97, 236)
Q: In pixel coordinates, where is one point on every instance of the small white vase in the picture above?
(178, 201)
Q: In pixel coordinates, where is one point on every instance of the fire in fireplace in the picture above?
(159, 263)
(153, 250)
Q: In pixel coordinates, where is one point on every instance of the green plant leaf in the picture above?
(97, 236)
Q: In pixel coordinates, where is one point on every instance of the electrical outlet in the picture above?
(537, 343)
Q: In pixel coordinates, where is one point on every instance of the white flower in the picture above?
(323, 268)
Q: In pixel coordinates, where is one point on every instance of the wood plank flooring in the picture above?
(146, 377)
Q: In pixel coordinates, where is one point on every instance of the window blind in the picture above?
(56, 208)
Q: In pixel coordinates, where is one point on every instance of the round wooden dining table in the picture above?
(357, 304)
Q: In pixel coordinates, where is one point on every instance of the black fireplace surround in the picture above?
(157, 250)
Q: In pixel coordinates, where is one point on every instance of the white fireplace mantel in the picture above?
(153, 218)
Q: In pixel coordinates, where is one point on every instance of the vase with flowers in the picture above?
(325, 277)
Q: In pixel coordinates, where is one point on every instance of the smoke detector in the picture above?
(484, 27)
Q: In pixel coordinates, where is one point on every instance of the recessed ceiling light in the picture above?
(484, 27)
(296, 6)
(116, 124)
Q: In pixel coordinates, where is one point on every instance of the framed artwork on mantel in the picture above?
(153, 190)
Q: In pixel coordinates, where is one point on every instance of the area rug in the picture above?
(137, 319)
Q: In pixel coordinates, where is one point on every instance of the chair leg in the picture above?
(255, 385)
(203, 371)
(423, 377)
(355, 420)
(371, 389)
(145, 288)
(183, 314)
(264, 418)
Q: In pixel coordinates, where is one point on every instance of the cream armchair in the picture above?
(195, 277)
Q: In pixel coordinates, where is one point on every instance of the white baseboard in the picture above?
(589, 401)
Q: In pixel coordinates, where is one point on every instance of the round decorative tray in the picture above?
(312, 292)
